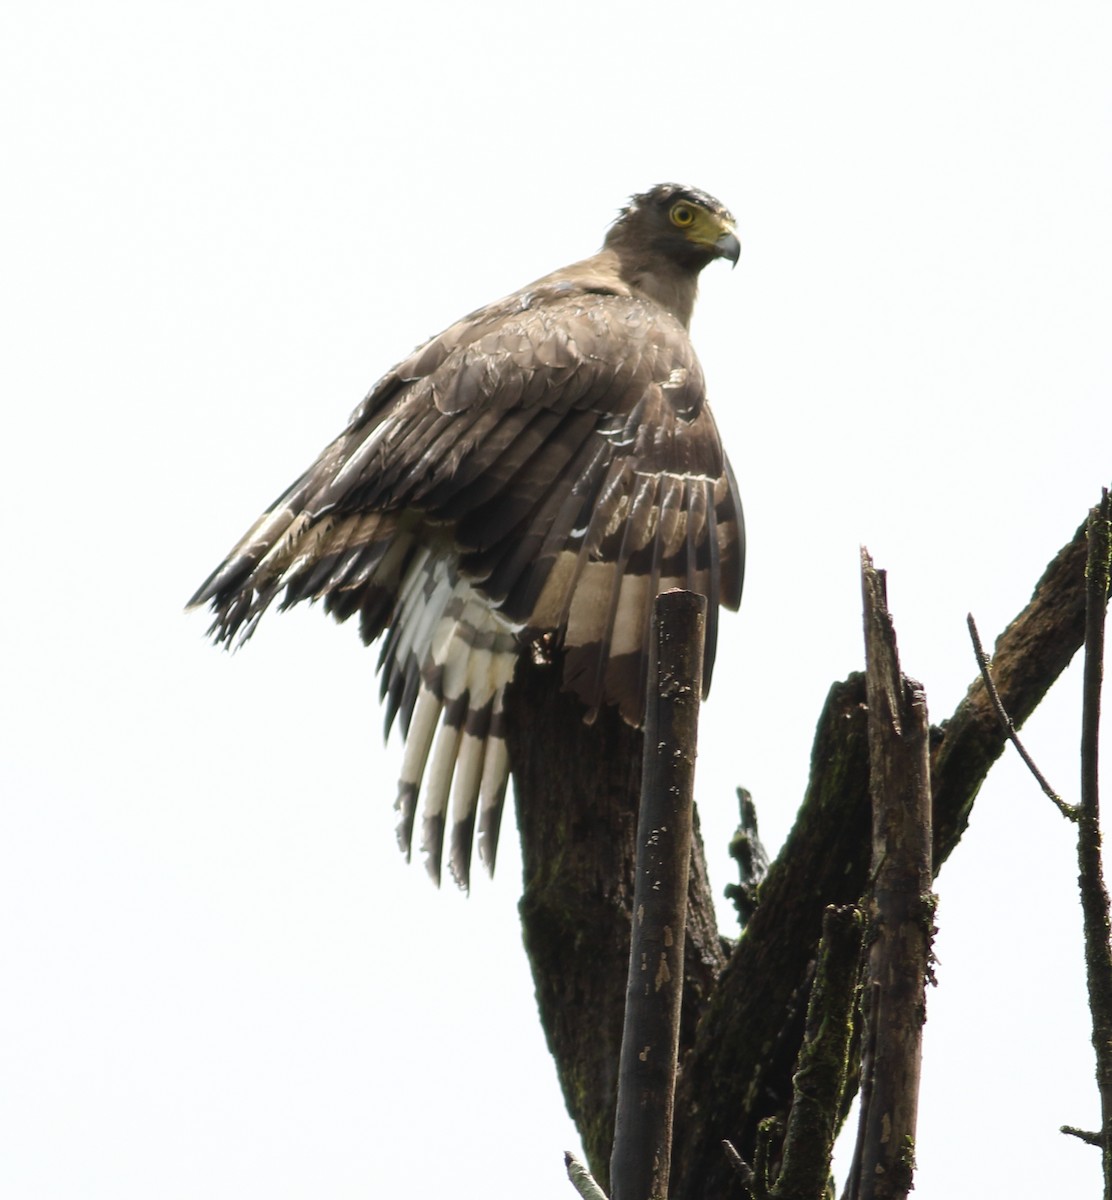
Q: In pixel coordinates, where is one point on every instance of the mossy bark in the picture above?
(577, 790)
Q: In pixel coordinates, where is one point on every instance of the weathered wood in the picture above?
(641, 1159)
(819, 1083)
(577, 787)
(746, 1046)
(582, 1179)
(1094, 893)
(740, 1069)
(901, 909)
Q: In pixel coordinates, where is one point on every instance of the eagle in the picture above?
(523, 484)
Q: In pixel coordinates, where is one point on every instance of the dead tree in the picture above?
(745, 1004)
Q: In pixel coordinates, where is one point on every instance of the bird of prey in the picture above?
(527, 482)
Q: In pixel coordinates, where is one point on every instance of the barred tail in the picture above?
(445, 666)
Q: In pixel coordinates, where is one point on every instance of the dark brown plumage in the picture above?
(529, 479)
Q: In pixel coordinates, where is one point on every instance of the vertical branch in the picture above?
(1094, 895)
(641, 1160)
(900, 908)
(577, 790)
(820, 1075)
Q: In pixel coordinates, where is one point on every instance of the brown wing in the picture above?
(547, 465)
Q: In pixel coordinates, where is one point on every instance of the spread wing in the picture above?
(541, 470)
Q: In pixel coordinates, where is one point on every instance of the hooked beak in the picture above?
(727, 246)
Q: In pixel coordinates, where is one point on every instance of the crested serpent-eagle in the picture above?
(526, 482)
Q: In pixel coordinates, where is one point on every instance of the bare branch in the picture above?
(820, 1078)
(1067, 810)
(742, 1169)
(770, 1133)
(1084, 1135)
(901, 907)
(582, 1179)
(1094, 894)
(577, 791)
(747, 850)
(641, 1160)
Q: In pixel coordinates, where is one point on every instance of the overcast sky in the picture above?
(221, 223)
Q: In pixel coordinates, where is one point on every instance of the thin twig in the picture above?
(1085, 1135)
(742, 1169)
(582, 1179)
(1067, 810)
(748, 851)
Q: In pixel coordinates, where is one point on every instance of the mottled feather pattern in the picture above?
(538, 472)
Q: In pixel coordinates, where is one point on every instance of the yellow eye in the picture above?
(682, 215)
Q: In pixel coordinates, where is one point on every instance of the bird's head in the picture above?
(682, 224)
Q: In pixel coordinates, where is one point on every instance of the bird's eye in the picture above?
(682, 215)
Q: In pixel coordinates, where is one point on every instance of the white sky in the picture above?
(220, 224)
